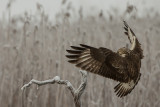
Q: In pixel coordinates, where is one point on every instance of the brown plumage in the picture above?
(123, 65)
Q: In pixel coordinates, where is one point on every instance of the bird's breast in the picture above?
(133, 69)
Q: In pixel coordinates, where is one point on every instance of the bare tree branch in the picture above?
(76, 93)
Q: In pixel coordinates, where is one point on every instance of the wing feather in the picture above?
(131, 35)
(123, 89)
(104, 62)
(73, 52)
(101, 61)
(77, 48)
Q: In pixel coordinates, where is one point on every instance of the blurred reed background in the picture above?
(34, 47)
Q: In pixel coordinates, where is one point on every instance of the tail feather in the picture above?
(123, 89)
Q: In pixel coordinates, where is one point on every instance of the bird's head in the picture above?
(123, 51)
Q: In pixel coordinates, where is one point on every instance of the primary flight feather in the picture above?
(122, 66)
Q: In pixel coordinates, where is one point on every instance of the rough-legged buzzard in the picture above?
(122, 66)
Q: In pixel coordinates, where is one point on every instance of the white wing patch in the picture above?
(133, 43)
(130, 35)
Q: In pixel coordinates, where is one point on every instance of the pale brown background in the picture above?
(32, 45)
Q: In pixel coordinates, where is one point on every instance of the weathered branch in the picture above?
(76, 93)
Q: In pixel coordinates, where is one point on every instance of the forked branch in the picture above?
(76, 93)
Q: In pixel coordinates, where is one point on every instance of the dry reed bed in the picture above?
(38, 51)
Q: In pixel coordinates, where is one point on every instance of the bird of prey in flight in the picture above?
(122, 66)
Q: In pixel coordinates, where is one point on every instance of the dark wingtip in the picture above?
(77, 48)
(66, 56)
(125, 28)
(73, 51)
(72, 61)
(126, 33)
(120, 91)
(125, 23)
(72, 56)
(85, 46)
(69, 51)
(117, 86)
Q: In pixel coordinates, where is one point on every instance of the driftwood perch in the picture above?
(76, 93)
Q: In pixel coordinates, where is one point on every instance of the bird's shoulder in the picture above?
(113, 59)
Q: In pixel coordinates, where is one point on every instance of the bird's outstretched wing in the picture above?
(136, 46)
(123, 89)
(100, 61)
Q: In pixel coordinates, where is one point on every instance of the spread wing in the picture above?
(123, 89)
(136, 46)
(100, 61)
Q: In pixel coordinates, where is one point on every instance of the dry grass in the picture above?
(38, 51)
